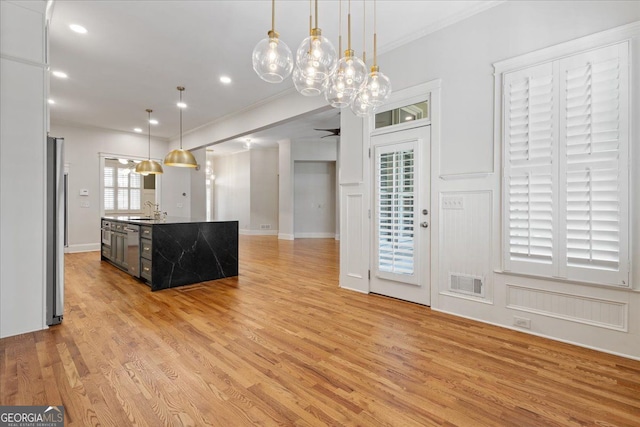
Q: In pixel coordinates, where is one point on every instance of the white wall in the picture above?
(198, 196)
(309, 150)
(246, 190)
(23, 93)
(264, 191)
(463, 55)
(232, 189)
(83, 146)
(314, 199)
(285, 189)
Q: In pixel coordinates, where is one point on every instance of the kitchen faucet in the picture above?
(157, 214)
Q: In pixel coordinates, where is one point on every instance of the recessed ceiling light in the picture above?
(59, 74)
(78, 28)
(51, 101)
(225, 79)
(181, 105)
(153, 121)
(137, 130)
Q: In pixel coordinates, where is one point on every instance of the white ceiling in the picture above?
(137, 52)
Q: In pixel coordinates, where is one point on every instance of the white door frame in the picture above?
(430, 90)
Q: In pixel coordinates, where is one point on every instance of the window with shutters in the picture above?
(566, 159)
(122, 188)
(395, 182)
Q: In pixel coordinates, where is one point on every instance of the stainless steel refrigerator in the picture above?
(56, 228)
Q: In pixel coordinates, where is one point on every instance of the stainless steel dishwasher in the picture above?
(133, 249)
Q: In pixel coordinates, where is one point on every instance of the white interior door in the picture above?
(401, 244)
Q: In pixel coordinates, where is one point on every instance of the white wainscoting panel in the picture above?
(465, 239)
(354, 231)
(592, 311)
(354, 249)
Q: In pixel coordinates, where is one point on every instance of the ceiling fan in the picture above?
(333, 132)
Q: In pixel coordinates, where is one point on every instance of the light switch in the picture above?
(179, 205)
(452, 202)
(84, 192)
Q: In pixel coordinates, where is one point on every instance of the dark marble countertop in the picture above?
(142, 220)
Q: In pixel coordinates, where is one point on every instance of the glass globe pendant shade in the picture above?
(181, 158)
(147, 167)
(316, 57)
(336, 92)
(306, 85)
(377, 88)
(361, 106)
(348, 78)
(272, 59)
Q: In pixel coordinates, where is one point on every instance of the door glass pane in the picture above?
(396, 213)
(417, 111)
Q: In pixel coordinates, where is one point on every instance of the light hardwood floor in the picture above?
(282, 345)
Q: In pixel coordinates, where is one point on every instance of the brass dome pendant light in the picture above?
(179, 157)
(149, 166)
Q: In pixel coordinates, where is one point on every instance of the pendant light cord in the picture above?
(149, 124)
(316, 13)
(181, 118)
(340, 28)
(349, 26)
(375, 35)
(364, 32)
(273, 15)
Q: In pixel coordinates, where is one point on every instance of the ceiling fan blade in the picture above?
(335, 131)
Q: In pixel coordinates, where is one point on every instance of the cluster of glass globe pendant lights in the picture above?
(344, 82)
(177, 157)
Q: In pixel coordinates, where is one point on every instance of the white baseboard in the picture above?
(315, 235)
(284, 236)
(603, 350)
(259, 232)
(85, 247)
(354, 289)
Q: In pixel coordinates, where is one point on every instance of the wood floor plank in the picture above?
(283, 345)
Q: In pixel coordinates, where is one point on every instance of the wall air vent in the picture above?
(466, 284)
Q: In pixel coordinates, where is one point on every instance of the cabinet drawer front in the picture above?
(145, 248)
(145, 232)
(118, 226)
(145, 269)
(106, 251)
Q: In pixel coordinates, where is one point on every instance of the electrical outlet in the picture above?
(522, 322)
(84, 204)
(452, 202)
(265, 226)
(180, 205)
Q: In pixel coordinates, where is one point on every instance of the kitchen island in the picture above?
(171, 252)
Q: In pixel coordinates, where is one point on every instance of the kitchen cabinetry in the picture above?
(146, 251)
(173, 251)
(119, 245)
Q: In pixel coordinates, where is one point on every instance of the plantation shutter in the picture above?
(566, 168)
(123, 189)
(135, 182)
(109, 190)
(594, 174)
(395, 205)
(530, 117)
